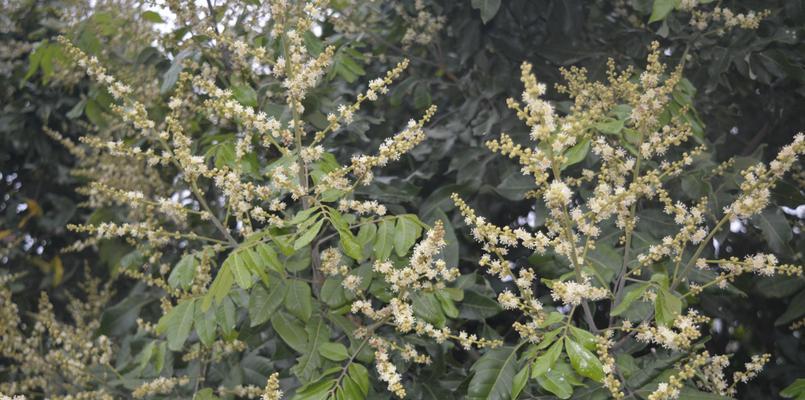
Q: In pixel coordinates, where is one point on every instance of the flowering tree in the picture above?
(235, 173)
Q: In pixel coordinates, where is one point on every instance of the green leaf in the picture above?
(488, 8)
(549, 338)
(661, 279)
(520, 380)
(422, 97)
(205, 325)
(384, 242)
(302, 216)
(553, 318)
(626, 364)
(332, 292)
(515, 185)
(661, 8)
(545, 362)
(796, 309)
(152, 16)
(34, 59)
(337, 219)
(268, 257)
(776, 230)
(77, 110)
(447, 304)
(47, 59)
(366, 234)
(119, 318)
(225, 316)
(224, 154)
(610, 126)
(350, 245)
(583, 361)
(427, 307)
(316, 391)
(583, 337)
(493, 375)
(220, 287)
(405, 234)
(94, 112)
(177, 323)
(308, 236)
(577, 153)
(349, 63)
(667, 307)
(171, 76)
(240, 272)
(313, 43)
(333, 351)
(183, 272)
(778, 286)
(298, 261)
(144, 356)
(351, 390)
(306, 366)
(346, 67)
(366, 274)
(298, 300)
(455, 294)
(554, 381)
(633, 293)
(263, 302)
(477, 306)
(794, 390)
(245, 94)
(254, 263)
(205, 394)
(290, 331)
(360, 375)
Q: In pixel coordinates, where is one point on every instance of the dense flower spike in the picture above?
(71, 350)
(161, 385)
(272, 390)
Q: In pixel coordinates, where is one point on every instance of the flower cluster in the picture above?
(331, 262)
(424, 272)
(161, 385)
(346, 112)
(422, 27)
(390, 150)
(386, 369)
(731, 268)
(248, 391)
(362, 207)
(680, 336)
(671, 389)
(760, 179)
(53, 356)
(572, 293)
(726, 18)
(602, 345)
(272, 390)
(709, 374)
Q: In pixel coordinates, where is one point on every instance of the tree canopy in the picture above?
(484, 199)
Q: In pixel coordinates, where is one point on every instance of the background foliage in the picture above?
(746, 91)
